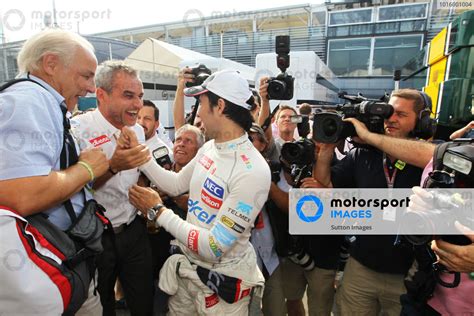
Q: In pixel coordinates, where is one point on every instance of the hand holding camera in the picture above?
(185, 76)
(196, 75)
(455, 257)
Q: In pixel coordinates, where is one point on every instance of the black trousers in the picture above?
(127, 255)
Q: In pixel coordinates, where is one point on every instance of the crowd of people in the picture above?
(198, 226)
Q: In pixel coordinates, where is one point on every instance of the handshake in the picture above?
(129, 154)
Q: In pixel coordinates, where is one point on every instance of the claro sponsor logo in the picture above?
(193, 238)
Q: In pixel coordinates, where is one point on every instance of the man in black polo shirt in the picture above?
(374, 274)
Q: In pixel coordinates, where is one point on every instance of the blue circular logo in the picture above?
(312, 204)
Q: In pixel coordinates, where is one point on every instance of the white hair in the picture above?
(187, 127)
(51, 41)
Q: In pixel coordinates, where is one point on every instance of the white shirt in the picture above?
(163, 136)
(93, 130)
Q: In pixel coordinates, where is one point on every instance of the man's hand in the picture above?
(125, 159)
(96, 159)
(128, 139)
(325, 151)
(263, 88)
(143, 198)
(460, 132)
(363, 133)
(184, 76)
(453, 257)
(310, 183)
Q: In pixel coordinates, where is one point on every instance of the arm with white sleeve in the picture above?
(172, 183)
(232, 223)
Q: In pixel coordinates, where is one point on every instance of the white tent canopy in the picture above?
(158, 56)
(154, 55)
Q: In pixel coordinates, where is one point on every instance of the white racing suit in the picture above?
(228, 185)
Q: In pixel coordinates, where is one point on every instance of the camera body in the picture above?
(329, 127)
(201, 73)
(453, 167)
(281, 87)
(162, 157)
(300, 153)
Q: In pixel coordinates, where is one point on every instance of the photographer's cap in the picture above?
(227, 84)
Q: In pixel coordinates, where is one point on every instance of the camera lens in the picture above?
(291, 152)
(439, 179)
(329, 126)
(276, 89)
(423, 222)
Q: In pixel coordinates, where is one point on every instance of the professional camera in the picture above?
(300, 153)
(281, 87)
(453, 168)
(201, 73)
(162, 157)
(328, 126)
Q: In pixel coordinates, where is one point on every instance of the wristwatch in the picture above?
(152, 213)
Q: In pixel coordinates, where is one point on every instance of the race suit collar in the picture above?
(242, 142)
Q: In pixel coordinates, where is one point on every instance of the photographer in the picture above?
(429, 292)
(185, 79)
(266, 232)
(375, 272)
(314, 259)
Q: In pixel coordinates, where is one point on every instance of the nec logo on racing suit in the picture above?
(200, 214)
(212, 189)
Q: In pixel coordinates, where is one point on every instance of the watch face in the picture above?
(151, 214)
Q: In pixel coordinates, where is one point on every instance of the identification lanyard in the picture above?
(390, 180)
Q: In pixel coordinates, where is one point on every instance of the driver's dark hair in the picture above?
(234, 112)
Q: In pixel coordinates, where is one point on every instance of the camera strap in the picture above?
(390, 180)
(268, 120)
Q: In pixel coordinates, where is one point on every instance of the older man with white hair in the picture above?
(58, 67)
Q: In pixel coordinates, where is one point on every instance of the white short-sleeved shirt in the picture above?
(31, 138)
(92, 130)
